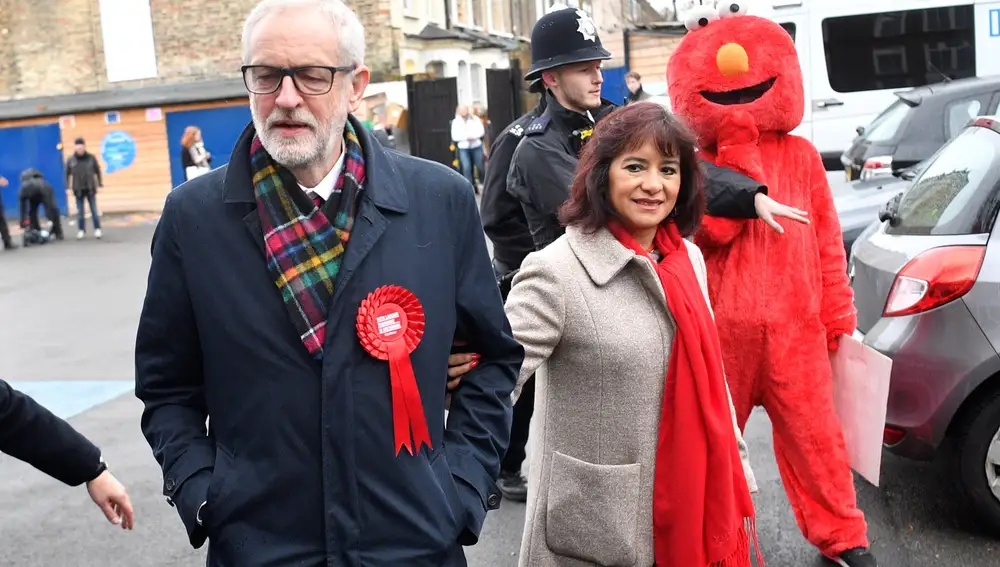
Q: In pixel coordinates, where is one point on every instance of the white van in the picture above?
(856, 53)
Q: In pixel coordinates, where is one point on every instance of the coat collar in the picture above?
(383, 184)
(600, 253)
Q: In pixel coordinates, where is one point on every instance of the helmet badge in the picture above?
(586, 26)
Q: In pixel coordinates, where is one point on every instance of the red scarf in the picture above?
(703, 515)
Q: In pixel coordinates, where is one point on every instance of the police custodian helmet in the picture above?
(563, 37)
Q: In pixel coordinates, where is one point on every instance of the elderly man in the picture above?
(304, 300)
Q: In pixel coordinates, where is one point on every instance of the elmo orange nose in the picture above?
(732, 60)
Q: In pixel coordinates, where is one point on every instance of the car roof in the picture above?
(951, 88)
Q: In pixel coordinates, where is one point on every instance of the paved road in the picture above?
(69, 313)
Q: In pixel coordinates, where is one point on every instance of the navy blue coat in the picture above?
(298, 466)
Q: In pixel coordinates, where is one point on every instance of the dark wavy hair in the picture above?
(624, 130)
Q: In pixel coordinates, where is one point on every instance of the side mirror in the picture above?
(860, 130)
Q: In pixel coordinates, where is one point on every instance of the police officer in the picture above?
(566, 55)
(503, 217)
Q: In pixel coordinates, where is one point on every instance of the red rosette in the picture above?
(390, 326)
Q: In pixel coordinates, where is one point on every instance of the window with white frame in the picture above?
(476, 8)
(463, 83)
(499, 13)
(478, 78)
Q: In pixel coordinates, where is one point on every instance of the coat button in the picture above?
(493, 501)
(170, 484)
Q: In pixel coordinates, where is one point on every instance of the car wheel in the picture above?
(978, 460)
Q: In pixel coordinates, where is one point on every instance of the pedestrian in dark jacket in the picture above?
(37, 192)
(33, 434)
(83, 178)
(278, 288)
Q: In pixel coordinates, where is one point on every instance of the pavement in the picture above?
(69, 317)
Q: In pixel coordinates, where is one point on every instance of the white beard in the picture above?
(302, 151)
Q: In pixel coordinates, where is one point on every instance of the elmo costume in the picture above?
(781, 300)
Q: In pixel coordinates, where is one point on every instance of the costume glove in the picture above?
(835, 329)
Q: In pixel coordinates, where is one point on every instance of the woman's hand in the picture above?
(459, 364)
(111, 498)
(767, 209)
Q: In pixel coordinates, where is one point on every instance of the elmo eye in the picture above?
(730, 9)
(700, 17)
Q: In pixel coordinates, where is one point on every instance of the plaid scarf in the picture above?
(304, 249)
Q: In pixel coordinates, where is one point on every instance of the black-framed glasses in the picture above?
(309, 79)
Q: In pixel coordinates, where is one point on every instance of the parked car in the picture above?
(858, 205)
(919, 122)
(927, 289)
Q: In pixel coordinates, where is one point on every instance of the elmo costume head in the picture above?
(730, 63)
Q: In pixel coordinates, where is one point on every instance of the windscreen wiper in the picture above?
(888, 212)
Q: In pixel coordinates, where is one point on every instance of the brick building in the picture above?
(56, 47)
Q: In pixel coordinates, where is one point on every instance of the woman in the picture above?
(636, 458)
(194, 157)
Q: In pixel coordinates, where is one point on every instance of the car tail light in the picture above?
(892, 435)
(877, 167)
(934, 278)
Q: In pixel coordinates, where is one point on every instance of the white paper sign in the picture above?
(861, 394)
(129, 49)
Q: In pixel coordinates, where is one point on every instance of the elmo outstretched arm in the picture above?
(837, 310)
(736, 149)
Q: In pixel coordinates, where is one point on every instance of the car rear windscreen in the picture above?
(886, 126)
(959, 191)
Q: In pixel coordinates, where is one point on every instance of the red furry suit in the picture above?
(781, 300)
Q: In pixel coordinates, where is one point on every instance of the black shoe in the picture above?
(513, 486)
(857, 557)
(9, 246)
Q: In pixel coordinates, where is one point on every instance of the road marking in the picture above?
(67, 398)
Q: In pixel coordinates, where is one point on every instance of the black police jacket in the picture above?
(541, 171)
(544, 163)
(33, 434)
(503, 217)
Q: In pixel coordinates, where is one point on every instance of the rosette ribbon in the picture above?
(390, 326)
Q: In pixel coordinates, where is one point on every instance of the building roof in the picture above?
(479, 40)
(124, 97)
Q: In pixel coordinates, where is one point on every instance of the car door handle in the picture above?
(828, 103)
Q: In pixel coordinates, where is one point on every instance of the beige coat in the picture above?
(593, 320)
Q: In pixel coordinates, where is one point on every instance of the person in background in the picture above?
(382, 133)
(83, 178)
(8, 242)
(195, 159)
(467, 133)
(480, 112)
(634, 83)
(33, 434)
(37, 192)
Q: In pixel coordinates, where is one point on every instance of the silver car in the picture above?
(927, 289)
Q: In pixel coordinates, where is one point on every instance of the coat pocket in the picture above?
(215, 499)
(445, 479)
(592, 511)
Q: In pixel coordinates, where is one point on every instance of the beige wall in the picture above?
(648, 55)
